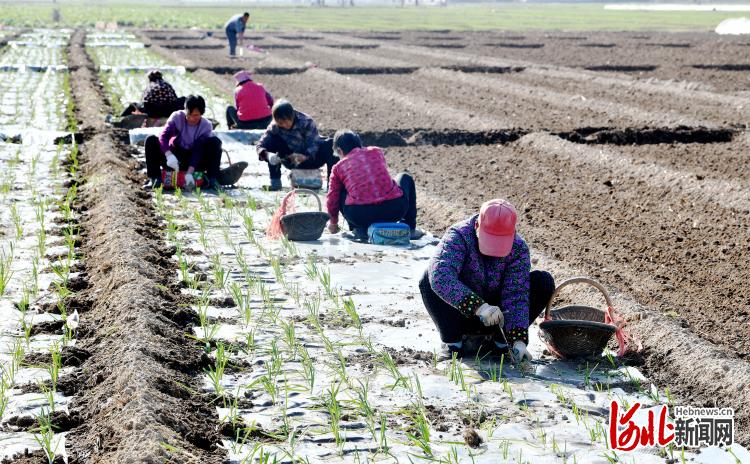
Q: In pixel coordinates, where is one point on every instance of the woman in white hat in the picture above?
(253, 104)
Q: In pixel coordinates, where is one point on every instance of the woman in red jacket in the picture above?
(253, 104)
(361, 189)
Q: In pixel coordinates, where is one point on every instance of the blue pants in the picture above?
(232, 38)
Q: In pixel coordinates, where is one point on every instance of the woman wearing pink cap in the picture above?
(479, 283)
(253, 104)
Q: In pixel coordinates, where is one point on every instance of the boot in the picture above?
(275, 185)
(152, 184)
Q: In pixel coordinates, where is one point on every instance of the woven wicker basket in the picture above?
(306, 226)
(576, 331)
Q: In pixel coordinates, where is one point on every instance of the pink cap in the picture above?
(243, 76)
(496, 228)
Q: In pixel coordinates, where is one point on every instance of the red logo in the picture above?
(626, 435)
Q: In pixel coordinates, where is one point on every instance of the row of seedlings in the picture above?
(38, 260)
(298, 375)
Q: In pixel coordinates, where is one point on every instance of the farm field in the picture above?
(501, 16)
(167, 327)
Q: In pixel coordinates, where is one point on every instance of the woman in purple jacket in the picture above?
(187, 143)
(479, 283)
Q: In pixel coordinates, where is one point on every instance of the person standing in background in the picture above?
(235, 29)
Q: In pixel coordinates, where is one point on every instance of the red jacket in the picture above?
(253, 101)
(363, 173)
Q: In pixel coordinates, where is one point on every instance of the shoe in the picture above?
(416, 234)
(212, 185)
(356, 235)
(361, 235)
(274, 187)
(231, 174)
(152, 184)
(453, 349)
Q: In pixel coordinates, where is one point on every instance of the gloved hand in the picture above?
(490, 315)
(274, 159)
(262, 154)
(189, 182)
(520, 353)
(298, 158)
(172, 161)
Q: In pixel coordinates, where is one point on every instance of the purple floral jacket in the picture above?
(465, 279)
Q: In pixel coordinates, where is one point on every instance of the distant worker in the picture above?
(253, 104)
(479, 282)
(235, 29)
(187, 143)
(292, 140)
(364, 192)
(159, 99)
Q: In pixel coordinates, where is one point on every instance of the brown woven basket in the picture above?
(306, 226)
(576, 331)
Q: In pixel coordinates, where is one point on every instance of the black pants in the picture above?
(205, 156)
(234, 122)
(453, 325)
(156, 110)
(399, 209)
(325, 156)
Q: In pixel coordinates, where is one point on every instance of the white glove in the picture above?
(189, 182)
(520, 353)
(490, 315)
(274, 159)
(172, 161)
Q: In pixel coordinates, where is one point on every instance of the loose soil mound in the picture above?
(138, 390)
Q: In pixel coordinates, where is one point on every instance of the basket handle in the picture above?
(310, 192)
(224, 150)
(577, 280)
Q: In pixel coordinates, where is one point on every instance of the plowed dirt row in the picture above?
(536, 98)
(672, 250)
(136, 396)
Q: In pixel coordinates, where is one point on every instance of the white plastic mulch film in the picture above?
(37, 237)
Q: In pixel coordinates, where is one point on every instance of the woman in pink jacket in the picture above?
(253, 104)
(361, 189)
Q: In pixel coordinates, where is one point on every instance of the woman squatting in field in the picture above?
(479, 283)
(253, 104)
(159, 99)
(292, 140)
(187, 143)
(362, 189)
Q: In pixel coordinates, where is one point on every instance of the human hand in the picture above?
(274, 159)
(333, 228)
(297, 158)
(189, 181)
(262, 154)
(519, 353)
(490, 315)
(172, 161)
